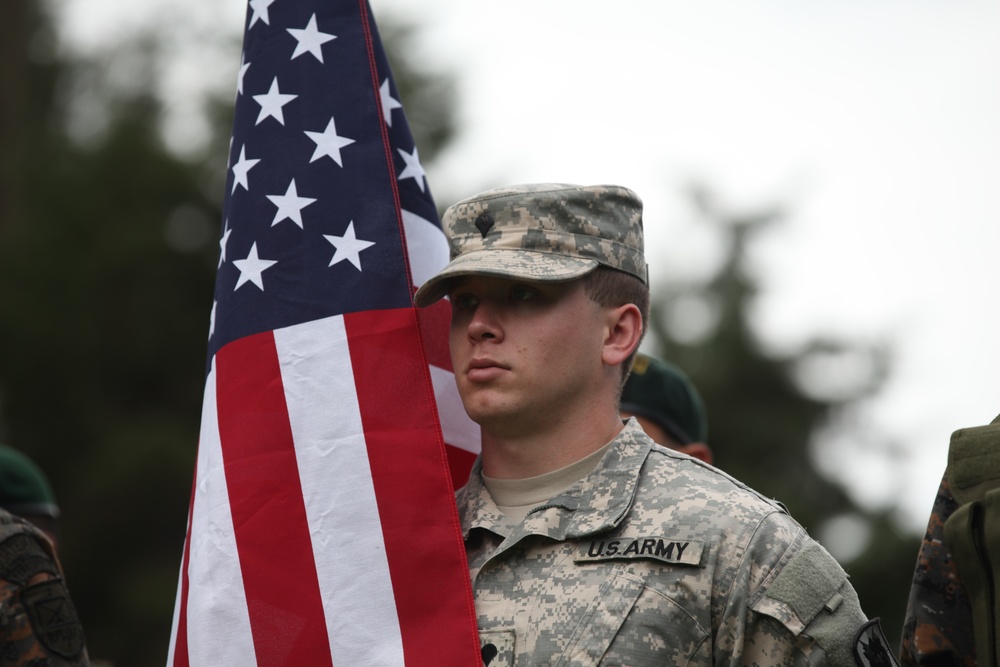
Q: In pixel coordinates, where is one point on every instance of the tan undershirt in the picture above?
(516, 497)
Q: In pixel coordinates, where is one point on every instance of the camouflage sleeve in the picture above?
(937, 629)
(798, 606)
(38, 624)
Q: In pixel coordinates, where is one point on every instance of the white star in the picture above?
(413, 168)
(310, 39)
(252, 268)
(241, 168)
(328, 143)
(388, 102)
(271, 103)
(289, 205)
(226, 231)
(259, 8)
(244, 66)
(348, 247)
(211, 320)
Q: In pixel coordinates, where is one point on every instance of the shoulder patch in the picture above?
(53, 617)
(677, 552)
(808, 583)
(871, 648)
(22, 557)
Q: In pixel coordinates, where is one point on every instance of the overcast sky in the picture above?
(874, 123)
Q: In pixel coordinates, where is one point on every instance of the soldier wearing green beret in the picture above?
(38, 623)
(667, 406)
(25, 491)
(587, 543)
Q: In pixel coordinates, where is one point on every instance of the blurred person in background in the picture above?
(667, 405)
(26, 492)
(952, 613)
(38, 622)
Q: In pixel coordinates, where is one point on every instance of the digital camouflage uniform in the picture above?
(38, 624)
(547, 232)
(657, 559)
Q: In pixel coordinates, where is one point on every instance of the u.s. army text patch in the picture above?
(679, 552)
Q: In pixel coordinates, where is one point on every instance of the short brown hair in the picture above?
(610, 288)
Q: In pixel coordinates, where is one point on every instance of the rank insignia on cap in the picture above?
(870, 647)
(484, 223)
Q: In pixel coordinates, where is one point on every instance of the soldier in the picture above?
(26, 492)
(38, 623)
(952, 614)
(667, 406)
(588, 544)
(937, 628)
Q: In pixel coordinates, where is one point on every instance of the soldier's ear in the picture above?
(622, 333)
(697, 450)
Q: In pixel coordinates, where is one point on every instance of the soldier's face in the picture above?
(524, 353)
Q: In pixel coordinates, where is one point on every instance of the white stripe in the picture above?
(218, 625)
(344, 526)
(456, 427)
(426, 247)
(177, 614)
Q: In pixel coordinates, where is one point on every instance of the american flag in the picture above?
(322, 528)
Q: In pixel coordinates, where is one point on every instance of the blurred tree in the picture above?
(767, 409)
(107, 259)
(108, 250)
(106, 271)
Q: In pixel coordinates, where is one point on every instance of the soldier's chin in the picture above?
(496, 419)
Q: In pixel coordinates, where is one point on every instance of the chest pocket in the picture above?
(631, 624)
(602, 620)
(563, 618)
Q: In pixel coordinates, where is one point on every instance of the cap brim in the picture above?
(33, 509)
(516, 264)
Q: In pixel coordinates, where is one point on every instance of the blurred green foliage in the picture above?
(108, 249)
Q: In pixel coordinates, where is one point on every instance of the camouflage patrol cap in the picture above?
(24, 490)
(546, 232)
(662, 393)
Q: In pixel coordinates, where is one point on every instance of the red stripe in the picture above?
(435, 322)
(423, 541)
(459, 464)
(269, 516)
(181, 658)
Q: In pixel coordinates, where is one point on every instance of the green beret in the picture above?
(662, 393)
(24, 490)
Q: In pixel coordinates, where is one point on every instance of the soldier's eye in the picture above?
(463, 301)
(521, 293)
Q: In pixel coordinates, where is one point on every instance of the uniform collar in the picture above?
(596, 503)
